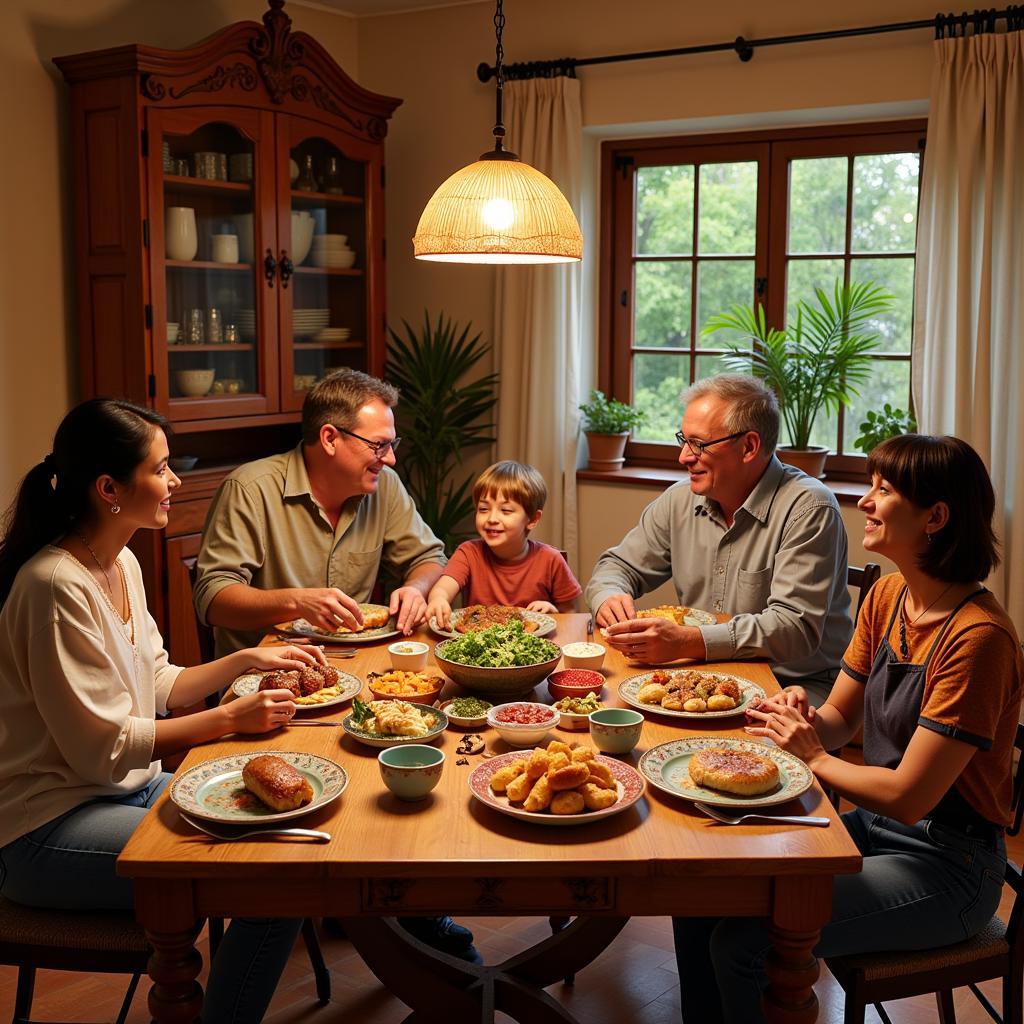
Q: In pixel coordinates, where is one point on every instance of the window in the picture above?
(693, 226)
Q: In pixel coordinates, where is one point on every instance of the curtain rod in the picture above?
(954, 24)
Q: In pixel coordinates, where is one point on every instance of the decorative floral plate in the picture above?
(629, 688)
(348, 687)
(214, 791)
(373, 739)
(666, 766)
(628, 785)
(302, 627)
(545, 623)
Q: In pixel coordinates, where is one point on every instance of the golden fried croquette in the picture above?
(652, 693)
(503, 776)
(540, 795)
(569, 777)
(695, 704)
(567, 802)
(721, 702)
(558, 747)
(519, 788)
(597, 798)
(729, 688)
(540, 761)
(558, 760)
(583, 754)
(601, 774)
(673, 701)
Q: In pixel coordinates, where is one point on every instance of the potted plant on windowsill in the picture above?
(818, 362)
(607, 424)
(880, 426)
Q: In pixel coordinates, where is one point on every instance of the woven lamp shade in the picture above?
(498, 211)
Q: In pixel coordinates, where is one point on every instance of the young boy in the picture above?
(505, 566)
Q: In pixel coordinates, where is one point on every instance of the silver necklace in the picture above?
(904, 647)
(99, 564)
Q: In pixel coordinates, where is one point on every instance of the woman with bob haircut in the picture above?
(84, 675)
(934, 674)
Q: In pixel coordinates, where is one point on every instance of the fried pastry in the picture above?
(602, 773)
(652, 693)
(540, 796)
(569, 777)
(519, 788)
(734, 771)
(596, 798)
(567, 802)
(539, 763)
(503, 776)
(278, 784)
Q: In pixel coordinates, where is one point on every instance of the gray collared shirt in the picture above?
(265, 529)
(779, 570)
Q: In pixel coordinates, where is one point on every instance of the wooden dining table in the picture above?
(450, 854)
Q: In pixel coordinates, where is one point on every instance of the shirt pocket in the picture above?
(752, 589)
(355, 572)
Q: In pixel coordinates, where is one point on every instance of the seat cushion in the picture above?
(106, 931)
(990, 941)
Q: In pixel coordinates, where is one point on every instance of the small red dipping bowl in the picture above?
(575, 682)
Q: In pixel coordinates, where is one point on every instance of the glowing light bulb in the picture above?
(498, 214)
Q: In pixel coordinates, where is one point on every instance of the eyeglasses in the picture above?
(697, 447)
(379, 448)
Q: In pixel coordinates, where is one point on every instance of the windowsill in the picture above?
(847, 492)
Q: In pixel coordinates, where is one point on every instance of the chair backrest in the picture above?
(203, 631)
(863, 579)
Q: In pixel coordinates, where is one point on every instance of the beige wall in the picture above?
(38, 367)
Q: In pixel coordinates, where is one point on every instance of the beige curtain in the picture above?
(537, 314)
(969, 337)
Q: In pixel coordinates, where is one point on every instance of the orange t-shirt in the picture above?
(543, 575)
(972, 688)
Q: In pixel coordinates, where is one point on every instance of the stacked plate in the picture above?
(331, 251)
(333, 334)
(246, 321)
(306, 322)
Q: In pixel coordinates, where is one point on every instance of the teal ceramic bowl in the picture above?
(411, 771)
(616, 730)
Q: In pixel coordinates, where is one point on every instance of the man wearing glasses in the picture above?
(303, 534)
(746, 535)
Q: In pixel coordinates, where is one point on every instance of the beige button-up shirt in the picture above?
(779, 570)
(266, 529)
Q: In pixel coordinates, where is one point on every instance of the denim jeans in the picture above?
(922, 885)
(69, 864)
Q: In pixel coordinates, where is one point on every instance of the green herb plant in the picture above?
(818, 362)
(441, 416)
(603, 415)
(880, 426)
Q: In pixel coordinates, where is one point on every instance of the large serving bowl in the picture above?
(501, 682)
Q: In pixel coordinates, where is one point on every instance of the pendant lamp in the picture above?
(498, 209)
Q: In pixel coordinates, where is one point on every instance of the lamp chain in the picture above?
(499, 53)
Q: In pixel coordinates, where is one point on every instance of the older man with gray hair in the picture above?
(746, 535)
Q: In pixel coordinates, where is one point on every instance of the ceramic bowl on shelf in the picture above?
(302, 234)
(194, 383)
(182, 463)
(173, 329)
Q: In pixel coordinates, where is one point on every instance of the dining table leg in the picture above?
(801, 907)
(176, 997)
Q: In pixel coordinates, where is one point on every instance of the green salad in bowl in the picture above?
(501, 660)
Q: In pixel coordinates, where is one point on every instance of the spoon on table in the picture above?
(775, 819)
(256, 832)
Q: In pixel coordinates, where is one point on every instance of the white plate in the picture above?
(629, 688)
(376, 740)
(545, 623)
(697, 617)
(350, 687)
(300, 627)
(666, 766)
(214, 791)
(628, 784)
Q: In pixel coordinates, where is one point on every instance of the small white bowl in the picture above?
(583, 655)
(409, 655)
(172, 332)
(194, 383)
(526, 734)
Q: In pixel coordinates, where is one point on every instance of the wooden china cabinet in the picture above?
(229, 251)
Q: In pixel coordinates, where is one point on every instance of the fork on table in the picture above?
(774, 819)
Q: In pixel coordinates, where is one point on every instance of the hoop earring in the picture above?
(115, 510)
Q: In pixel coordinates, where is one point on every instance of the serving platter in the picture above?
(629, 688)
(304, 628)
(213, 790)
(628, 785)
(667, 767)
(545, 623)
(372, 739)
(349, 687)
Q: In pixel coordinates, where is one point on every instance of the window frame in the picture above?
(772, 150)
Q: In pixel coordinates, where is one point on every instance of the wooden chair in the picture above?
(863, 579)
(104, 942)
(997, 952)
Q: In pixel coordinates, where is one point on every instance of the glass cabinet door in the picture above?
(214, 276)
(323, 306)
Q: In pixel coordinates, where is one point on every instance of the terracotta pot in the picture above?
(810, 460)
(606, 452)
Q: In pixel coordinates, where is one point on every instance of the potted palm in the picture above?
(819, 362)
(607, 424)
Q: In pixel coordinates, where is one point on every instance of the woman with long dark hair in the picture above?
(934, 674)
(84, 677)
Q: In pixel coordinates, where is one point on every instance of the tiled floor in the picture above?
(633, 981)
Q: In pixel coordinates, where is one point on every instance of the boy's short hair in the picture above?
(516, 481)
